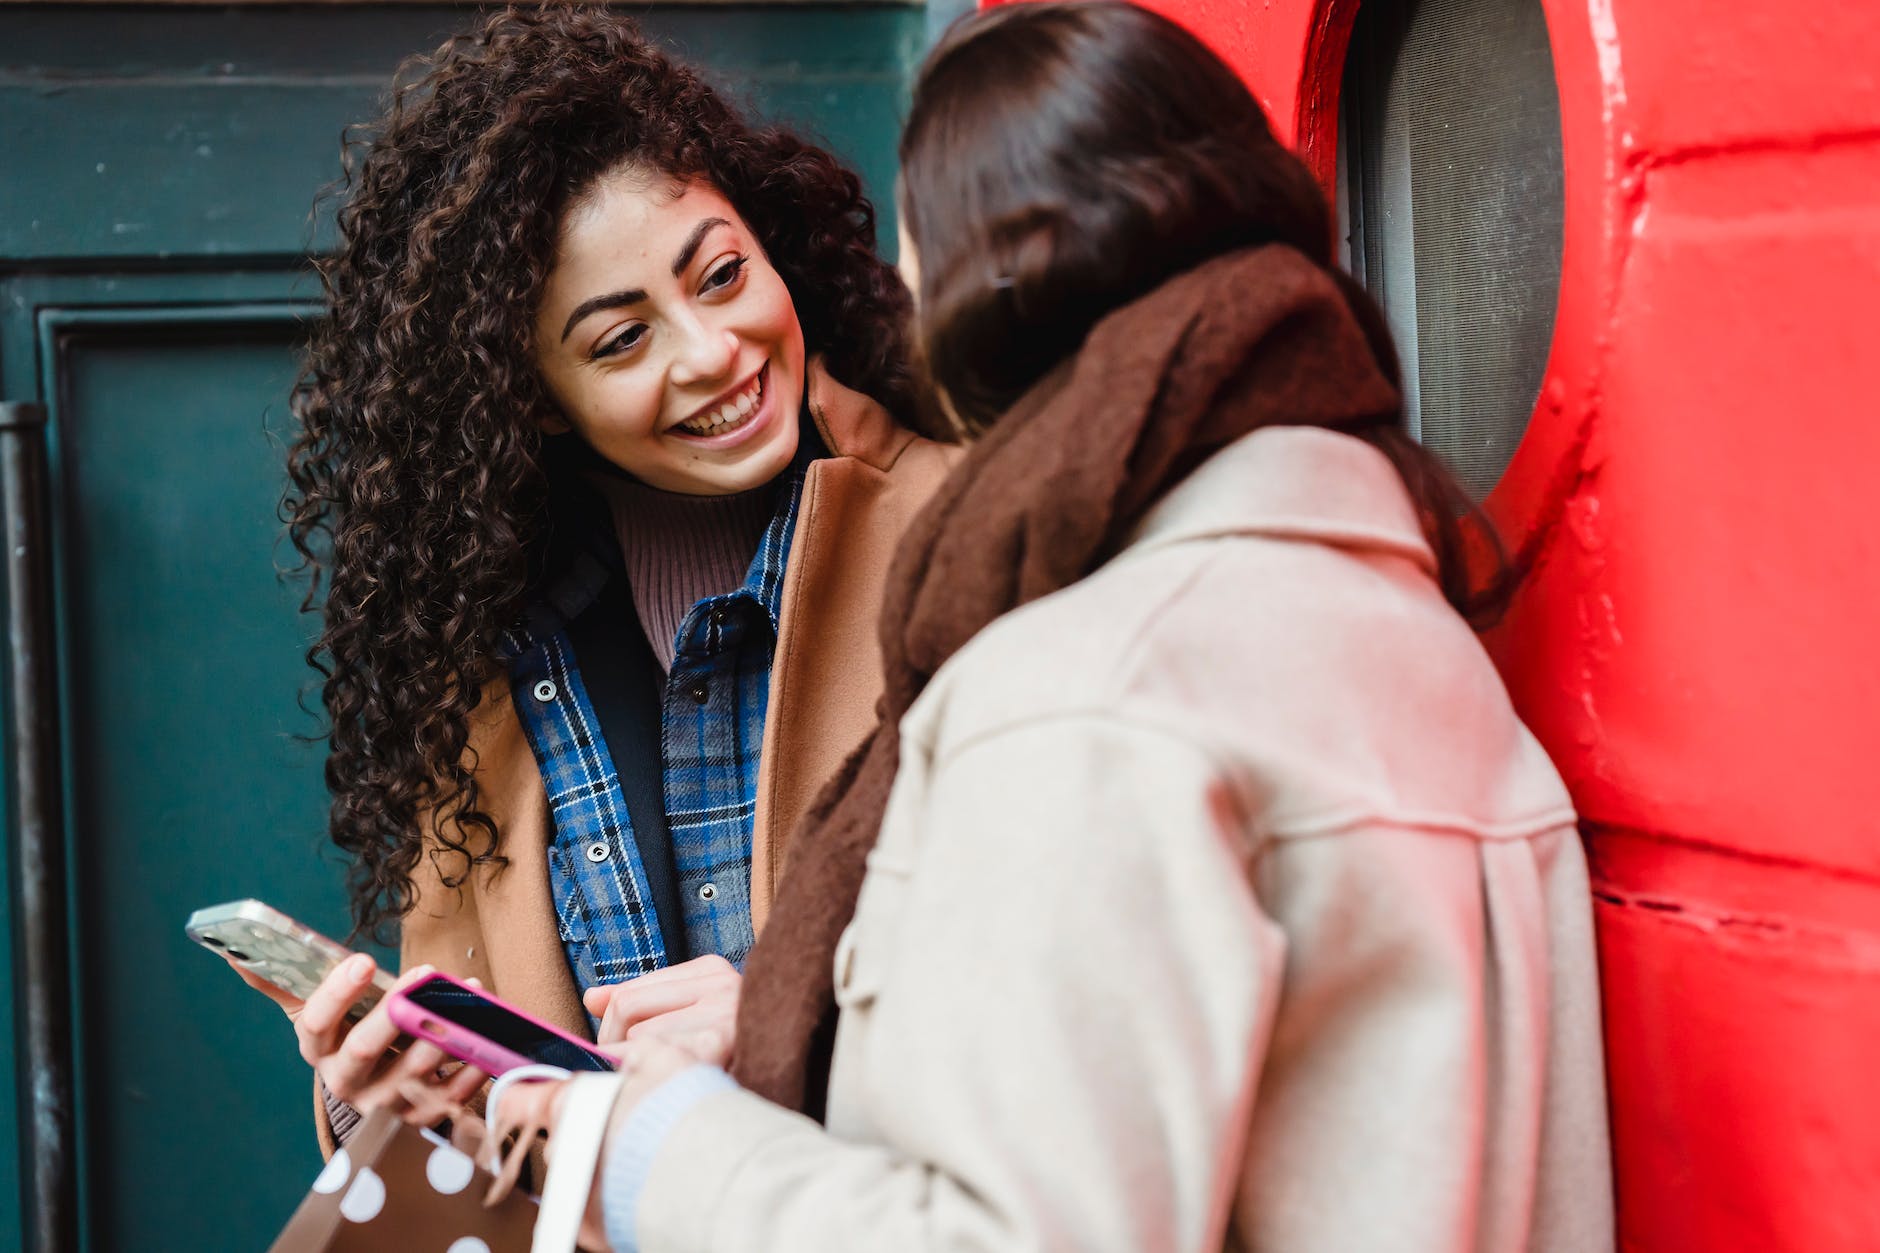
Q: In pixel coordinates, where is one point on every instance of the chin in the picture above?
(752, 469)
(765, 464)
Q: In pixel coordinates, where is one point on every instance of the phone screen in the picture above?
(462, 1007)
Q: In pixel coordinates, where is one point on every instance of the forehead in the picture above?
(632, 216)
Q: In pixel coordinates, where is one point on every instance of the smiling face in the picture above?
(668, 341)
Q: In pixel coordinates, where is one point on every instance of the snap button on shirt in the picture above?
(597, 851)
(545, 690)
(699, 692)
(708, 892)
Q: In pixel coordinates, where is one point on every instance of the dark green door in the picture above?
(157, 168)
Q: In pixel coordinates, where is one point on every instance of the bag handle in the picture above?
(493, 1102)
(587, 1106)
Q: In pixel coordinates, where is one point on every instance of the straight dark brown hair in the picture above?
(1062, 160)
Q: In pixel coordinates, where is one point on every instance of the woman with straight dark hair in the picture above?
(1200, 888)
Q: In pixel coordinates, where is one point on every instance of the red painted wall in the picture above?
(1698, 645)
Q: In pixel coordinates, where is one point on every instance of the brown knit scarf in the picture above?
(1247, 340)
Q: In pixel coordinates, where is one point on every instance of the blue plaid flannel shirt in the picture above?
(712, 730)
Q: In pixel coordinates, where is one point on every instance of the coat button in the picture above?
(708, 892)
(845, 959)
(597, 851)
(545, 690)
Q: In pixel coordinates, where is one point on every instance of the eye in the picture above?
(725, 275)
(623, 342)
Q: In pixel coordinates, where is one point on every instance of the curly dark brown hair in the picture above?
(419, 484)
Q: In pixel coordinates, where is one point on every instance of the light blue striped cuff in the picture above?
(631, 1150)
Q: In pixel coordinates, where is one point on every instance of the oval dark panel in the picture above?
(1451, 212)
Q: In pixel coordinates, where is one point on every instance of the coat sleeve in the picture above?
(444, 926)
(1056, 1005)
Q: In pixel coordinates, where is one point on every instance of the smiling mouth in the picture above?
(730, 414)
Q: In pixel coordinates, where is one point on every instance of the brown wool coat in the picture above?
(826, 677)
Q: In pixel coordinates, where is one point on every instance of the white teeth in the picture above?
(729, 414)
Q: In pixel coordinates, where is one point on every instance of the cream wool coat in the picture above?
(825, 679)
(1222, 901)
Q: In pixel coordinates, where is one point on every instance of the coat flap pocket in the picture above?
(864, 948)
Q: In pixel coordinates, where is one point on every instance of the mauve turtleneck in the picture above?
(681, 549)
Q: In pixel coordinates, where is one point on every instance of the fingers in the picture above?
(321, 1022)
(713, 982)
(529, 1108)
(464, 1084)
(667, 1054)
(447, 1083)
(709, 1043)
(350, 1060)
(710, 965)
(598, 997)
(421, 1093)
(419, 1063)
(680, 1023)
(535, 1101)
(362, 1064)
(632, 1005)
(349, 1066)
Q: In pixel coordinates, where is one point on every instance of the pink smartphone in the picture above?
(475, 1027)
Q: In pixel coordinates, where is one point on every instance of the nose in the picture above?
(705, 353)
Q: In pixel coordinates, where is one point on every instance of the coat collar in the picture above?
(1293, 482)
(851, 424)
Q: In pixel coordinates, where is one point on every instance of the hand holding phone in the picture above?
(277, 956)
(368, 1063)
(333, 997)
(473, 1026)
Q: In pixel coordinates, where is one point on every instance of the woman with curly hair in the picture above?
(603, 451)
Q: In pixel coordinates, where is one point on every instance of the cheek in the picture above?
(774, 314)
(620, 405)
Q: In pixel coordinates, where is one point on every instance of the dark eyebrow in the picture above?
(633, 296)
(612, 300)
(692, 243)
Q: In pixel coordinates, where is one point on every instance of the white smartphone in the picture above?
(290, 955)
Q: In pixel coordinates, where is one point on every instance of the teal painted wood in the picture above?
(212, 140)
(148, 303)
(190, 784)
(165, 440)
